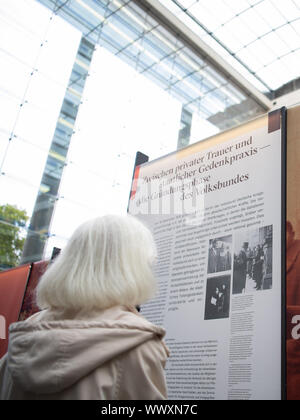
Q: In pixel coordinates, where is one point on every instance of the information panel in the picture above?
(216, 212)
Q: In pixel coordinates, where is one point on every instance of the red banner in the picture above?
(12, 289)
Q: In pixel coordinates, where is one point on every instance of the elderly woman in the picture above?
(89, 342)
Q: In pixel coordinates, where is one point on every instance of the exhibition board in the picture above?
(217, 211)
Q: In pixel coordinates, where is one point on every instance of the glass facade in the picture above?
(32, 89)
(75, 116)
(122, 112)
(57, 157)
(85, 84)
(129, 30)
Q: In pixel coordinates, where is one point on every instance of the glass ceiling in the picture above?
(260, 38)
(124, 28)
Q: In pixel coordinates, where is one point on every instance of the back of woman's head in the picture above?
(106, 262)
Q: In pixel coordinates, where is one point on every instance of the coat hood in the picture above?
(47, 356)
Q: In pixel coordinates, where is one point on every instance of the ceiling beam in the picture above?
(182, 31)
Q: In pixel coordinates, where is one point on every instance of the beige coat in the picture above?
(114, 355)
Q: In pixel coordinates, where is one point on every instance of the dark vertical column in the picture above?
(140, 159)
(185, 131)
(56, 161)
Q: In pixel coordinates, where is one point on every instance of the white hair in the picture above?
(107, 262)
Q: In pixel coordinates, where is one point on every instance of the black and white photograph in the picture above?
(217, 298)
(220, 255)
(253, 260)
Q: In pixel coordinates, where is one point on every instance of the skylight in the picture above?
(260, 38)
